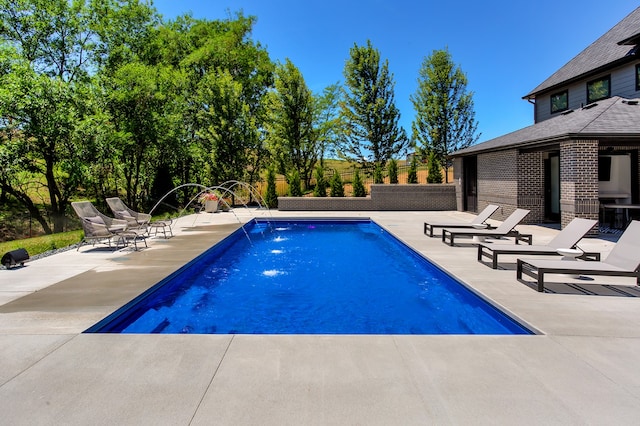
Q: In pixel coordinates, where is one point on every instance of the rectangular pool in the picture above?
(310, 277)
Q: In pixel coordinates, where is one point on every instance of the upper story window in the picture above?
(559, 102)
(598, 89)
(637, 77)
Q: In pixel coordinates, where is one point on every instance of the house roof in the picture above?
(613, 117)
(617, 45)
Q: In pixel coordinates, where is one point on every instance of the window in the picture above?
(598, 89)
(559, 102)
(637, 77)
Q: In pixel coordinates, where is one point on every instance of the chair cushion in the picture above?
(124, 213)
(95, 219)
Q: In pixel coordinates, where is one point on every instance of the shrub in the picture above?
(321, 184)
(271, 197)
(393, 171)
(434, 169)
(358, 186)
(337, 187)
(412, 175)
(295, 189)
(378, 175)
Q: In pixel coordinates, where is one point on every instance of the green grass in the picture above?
(37, 245)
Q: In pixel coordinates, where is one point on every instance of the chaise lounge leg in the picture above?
(540, 281)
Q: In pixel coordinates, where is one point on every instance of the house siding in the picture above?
(623, 84)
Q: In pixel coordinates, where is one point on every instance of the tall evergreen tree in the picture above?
(445, 118)
(393, 171)
(368, 109)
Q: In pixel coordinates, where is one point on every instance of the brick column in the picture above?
(531, 185)
(579, 180)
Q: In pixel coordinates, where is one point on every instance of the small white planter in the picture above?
(211, 206)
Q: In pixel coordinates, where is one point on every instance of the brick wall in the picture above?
(579, 180)
(498, 181)
(531, 184)
(382, 198)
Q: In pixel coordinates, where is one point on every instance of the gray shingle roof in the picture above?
(604, 51)
(617, 117)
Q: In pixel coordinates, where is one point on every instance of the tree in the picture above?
(358, 186)
(321, 183)
(445, 117)
(293, 179)
(327, 121)
(337, 187)
(393, 171)
(372, 132)
(412, 174)
(50, 50)
(290, 133)
(434, 169)
(271, 197)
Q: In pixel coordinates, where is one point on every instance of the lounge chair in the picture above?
(136, 219)
(480, 219)
(567, 238)
(623, 261)
(506, 229)
(99, 228)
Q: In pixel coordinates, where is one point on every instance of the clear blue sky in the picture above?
(505, 47)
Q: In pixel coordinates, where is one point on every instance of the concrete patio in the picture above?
(582, 368)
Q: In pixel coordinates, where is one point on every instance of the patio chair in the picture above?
(136, 219)
(623, 261)
(121, 211)
(567, 238)
(481, 218)
(506, 229)
(99, 228)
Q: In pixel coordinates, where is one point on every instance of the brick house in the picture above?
(582, 150)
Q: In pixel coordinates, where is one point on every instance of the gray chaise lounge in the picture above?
(506, 229)
(480, 219)
(567, 238)
(623, 261)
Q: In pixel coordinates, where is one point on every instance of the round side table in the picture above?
(479, 239)
(570, 255)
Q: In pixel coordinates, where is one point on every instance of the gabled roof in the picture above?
(617, 45)
(613, 117)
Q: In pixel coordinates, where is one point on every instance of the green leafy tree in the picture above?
(320, 189)
(445, 116)
(369, 114)
(393, 171)
(434, 169)
(271, 197)
(327, 121)
(291, 136)
(358, 187)
(337, 186)
(412, 174)
(225, 124)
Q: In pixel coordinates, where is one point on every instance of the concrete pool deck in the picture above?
(583, 367)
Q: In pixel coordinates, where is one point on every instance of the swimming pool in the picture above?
(310, 277)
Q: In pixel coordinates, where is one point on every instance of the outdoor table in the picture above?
(625, 211)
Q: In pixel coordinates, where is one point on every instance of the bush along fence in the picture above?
(348, 177)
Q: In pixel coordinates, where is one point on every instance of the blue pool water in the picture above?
(310, 277)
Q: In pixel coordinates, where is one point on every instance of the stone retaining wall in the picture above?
(382, 198)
